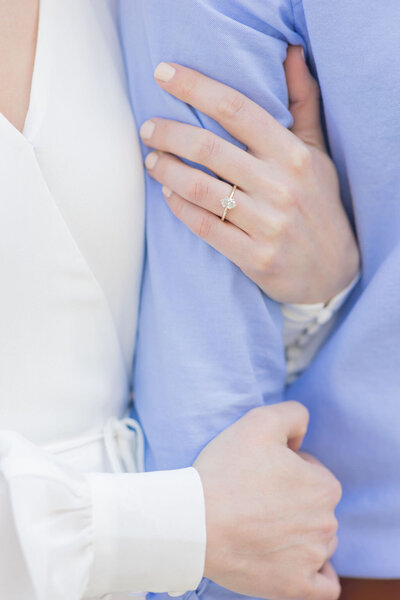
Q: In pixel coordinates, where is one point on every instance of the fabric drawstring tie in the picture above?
(124, 443)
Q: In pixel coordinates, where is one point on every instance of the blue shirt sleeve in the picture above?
(209, 342)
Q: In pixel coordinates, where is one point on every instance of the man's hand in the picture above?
(270, 512)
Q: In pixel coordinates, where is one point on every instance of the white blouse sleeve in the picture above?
(305, 328)
(88, 536)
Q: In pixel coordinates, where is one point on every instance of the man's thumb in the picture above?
(303, 99)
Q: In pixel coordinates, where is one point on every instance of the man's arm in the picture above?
(210, 343)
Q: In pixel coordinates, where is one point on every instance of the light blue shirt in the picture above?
(210, 345)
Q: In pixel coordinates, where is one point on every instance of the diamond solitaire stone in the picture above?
(228, 203)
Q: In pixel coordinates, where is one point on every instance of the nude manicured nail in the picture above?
(147, 130)
(164, 72)
(166, 191)
(151, 160)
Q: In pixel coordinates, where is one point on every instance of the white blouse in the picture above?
(74, 521)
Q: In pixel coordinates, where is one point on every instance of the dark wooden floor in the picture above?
(356, 589)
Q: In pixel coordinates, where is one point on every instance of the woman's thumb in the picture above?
(304, 99)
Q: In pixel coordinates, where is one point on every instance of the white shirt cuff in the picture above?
(305, 328)
(299, 317)
(149, 532)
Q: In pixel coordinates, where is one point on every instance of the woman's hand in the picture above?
(288, 232)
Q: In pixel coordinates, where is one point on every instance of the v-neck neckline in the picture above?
(37, 93)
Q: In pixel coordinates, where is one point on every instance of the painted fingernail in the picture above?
(147, 130)
(164, 72)
(151, 160)
(166, 191)
(302, 52)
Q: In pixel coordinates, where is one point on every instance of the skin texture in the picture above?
(270, 510)
(289, 232)
(18, 34)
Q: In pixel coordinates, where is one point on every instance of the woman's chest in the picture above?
(80, 139)
(18, 33)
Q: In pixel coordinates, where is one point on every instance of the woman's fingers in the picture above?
(332, 546)
(241, 117)
(285, 186)
(201, 189)
(223, 236)
(204, 148)
(326, 584)
(244, 119)
(304, 99)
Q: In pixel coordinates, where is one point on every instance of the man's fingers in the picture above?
(241, 117)
(303, 99)
(326, 584)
